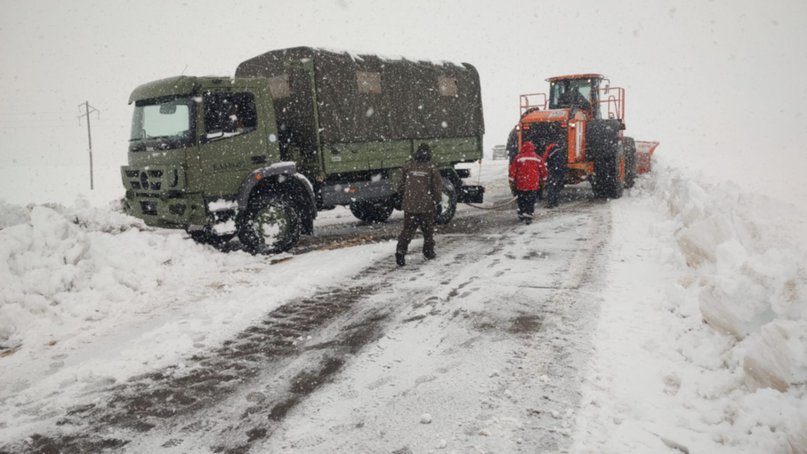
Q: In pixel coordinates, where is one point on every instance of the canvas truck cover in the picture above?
(365, 98)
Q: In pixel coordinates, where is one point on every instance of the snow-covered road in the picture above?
(583, 332)
(478, 349)
(481, 349)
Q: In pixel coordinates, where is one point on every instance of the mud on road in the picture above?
(275, 363)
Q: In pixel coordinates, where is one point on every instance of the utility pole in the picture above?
(88, 109)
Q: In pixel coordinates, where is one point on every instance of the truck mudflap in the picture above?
(471, 194)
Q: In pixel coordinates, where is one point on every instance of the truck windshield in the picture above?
(163, 124)
(568, 92)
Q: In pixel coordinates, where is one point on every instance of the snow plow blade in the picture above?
(644, 153)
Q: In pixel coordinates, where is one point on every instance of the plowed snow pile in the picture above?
(702, 345)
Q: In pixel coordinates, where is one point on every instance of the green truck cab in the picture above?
(294, 132)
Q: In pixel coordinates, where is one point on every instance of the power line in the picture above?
(88, 109)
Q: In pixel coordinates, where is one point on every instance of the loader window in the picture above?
(229, 114)
(570, 93)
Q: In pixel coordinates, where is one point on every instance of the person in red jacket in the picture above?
(527, 172)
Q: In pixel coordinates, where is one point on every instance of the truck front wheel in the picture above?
(270, 224)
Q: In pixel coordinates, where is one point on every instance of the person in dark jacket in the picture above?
(555, 157)
(526, 173)
(421, 192)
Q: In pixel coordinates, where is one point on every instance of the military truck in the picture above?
(293, 132)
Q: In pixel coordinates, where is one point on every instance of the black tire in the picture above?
(605, 149)
(374, 212)
(602, 137)
(630, 162)
(269, 225)
(607, 182)
(448, 203)
(597, 185)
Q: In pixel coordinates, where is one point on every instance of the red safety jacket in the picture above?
(528, 170)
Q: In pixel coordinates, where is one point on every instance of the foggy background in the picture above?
(719, 83)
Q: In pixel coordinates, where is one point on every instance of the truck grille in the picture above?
(147, 180)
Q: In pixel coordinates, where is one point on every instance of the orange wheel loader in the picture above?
(586, 116)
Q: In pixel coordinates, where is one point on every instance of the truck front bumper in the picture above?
(166, 210)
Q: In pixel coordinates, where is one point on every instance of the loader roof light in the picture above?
(258, 177)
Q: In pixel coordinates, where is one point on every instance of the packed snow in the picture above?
(701, 343)
(700, 340)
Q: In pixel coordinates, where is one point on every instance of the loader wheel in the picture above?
(269, 225)
(373, 212)
(609, 175)
(630, 162)
(448, 202)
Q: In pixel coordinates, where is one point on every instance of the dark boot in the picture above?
(400, 258)
(430, 255)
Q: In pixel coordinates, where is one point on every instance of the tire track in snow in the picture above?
(237, 429)
(168, 402)
(540, 343)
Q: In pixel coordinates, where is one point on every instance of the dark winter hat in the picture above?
(423, 153)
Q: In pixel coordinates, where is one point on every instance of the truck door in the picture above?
(231, 145)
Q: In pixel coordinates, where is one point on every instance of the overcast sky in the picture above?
(711, 80)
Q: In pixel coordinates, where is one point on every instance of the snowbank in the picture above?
(700, 343)
(751, 261)
(64, 268)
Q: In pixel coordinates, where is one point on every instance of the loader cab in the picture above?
(576, 92)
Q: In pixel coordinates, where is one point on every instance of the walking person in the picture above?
(555, 157)
(421, 191)
(526, 173)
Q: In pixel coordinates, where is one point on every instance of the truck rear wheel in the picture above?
(270, 224)
(448, 202)
(371, 211)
